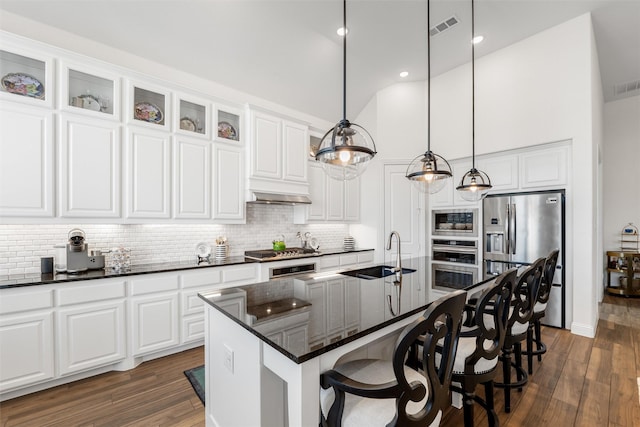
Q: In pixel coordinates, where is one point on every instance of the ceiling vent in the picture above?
(443, 26)
(626, 88)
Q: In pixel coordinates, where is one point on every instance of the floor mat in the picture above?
(196, 378)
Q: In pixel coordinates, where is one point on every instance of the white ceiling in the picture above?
(288, 52)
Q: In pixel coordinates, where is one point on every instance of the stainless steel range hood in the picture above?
(279, 199)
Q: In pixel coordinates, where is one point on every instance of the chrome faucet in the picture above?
(398, 268)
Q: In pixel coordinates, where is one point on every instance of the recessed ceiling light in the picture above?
(477, 39)
(404, 74)
(341, 31)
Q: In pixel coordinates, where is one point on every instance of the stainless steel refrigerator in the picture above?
(520, 228)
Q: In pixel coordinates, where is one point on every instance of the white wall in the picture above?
(542, 89)
(621, 152)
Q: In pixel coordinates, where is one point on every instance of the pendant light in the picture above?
(429, 172)
(346, 149)
(475, 184)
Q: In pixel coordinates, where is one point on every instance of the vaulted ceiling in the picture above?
(288, 51)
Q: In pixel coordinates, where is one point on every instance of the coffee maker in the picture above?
(77, 252)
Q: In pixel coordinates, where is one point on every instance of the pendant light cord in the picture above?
(344, 61)
(473, 90)
(428, 76)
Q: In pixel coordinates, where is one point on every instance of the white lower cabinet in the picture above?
(346, 260)
(27, 337)
(26, 349)
(154, 314)
(90, 336)
(90, 325)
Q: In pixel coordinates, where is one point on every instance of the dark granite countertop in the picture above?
(365, 299)
(107, 273)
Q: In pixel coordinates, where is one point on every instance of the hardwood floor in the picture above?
(580, 382)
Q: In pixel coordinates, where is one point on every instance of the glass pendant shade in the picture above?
(347, 148)
(429, 172)
(474, 185)
(345, 151)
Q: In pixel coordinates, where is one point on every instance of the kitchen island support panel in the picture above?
(233, 399)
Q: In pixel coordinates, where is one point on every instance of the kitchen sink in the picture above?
(375, 272)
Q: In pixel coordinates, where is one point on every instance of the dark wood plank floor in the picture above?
(580, 382)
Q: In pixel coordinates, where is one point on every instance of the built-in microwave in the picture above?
(447, 277)
(454, 222)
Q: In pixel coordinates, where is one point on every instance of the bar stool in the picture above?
(539, 311)
(523, 300)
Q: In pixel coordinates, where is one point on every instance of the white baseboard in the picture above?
(584, 330)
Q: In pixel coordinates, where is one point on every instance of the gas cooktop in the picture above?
(270, 254)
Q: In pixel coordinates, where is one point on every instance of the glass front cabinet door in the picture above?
(88, 91)
(26, 77)
(192, 116)
(148, 105)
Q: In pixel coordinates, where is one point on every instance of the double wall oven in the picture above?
(454, 248)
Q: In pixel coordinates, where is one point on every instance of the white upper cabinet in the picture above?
(192, 178)
(278, 155)
(502, 171)
(295, 148)
(192, 116)
(266, 146)
(532, 168)
(544, 168)
(317, 210)
(148, 177)
(335, 199)
(27, 75)
(148, 105)
(228, 179)
(229, 125)
(331, 200)
(90, 91)
(89, 167)
(26, 161)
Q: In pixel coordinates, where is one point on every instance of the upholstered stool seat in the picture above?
(369, 392)
(360, 411)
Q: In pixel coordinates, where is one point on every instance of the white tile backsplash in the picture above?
(22, 245)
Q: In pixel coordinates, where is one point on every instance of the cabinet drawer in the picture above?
(202, 278)
(348, 259)
(329, 261)
(192, 328)
(365, 257)
(16, 300)
(239, 274)
(97, 291)
(155, 283)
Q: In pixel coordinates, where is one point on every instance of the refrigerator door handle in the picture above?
(508, 239)
(513, 227)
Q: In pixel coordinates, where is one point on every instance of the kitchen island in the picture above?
(266, 344)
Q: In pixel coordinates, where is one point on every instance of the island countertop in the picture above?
(305, 316)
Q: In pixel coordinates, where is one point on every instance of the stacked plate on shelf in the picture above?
(349, 243)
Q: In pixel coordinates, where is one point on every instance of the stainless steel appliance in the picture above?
(77, 252)
(448, 276)
(454, 222)
(458, 251)
(520, 228)
(272, 255)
